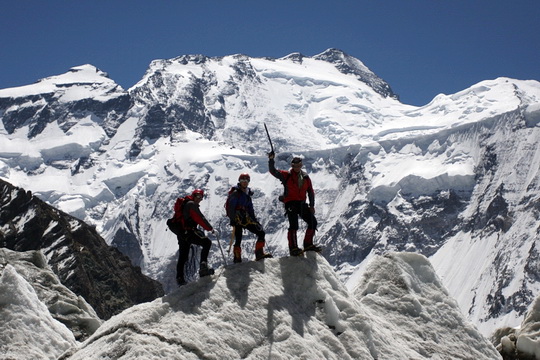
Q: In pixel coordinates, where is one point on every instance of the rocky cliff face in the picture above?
(81, 259)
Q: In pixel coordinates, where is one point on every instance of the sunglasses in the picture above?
(244, 180)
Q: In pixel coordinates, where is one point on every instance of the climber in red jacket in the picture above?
(192, 217)
(297, 189)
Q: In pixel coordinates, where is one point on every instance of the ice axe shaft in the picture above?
(220, 248)
(269, 140)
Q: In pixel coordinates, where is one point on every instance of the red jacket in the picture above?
(291, 180)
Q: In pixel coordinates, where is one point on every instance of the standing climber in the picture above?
(297, 188)
(191, 234)
(240, 211)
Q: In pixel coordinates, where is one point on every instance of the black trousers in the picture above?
(185, 241)
(300, 209)
(255, 228)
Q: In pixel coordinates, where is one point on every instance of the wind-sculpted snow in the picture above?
(522, 342)
(293, 308)
(28, 329)
(62, 304)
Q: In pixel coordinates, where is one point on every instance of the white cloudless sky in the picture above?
(420, 47)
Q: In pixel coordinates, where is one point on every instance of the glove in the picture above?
(271, 155)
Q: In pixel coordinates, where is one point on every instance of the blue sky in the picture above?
(420, 47)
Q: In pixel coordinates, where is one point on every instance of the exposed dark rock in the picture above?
(127, 243)
(82, 260)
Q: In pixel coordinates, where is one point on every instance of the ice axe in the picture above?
(269, 140)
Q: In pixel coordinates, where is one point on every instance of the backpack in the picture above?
(233, 189)
(176, 223)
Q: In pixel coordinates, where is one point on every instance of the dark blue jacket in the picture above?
(240, 203)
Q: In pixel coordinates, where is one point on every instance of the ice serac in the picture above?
(297, 308)
(522, 342)
(79, 257)
(402, 291)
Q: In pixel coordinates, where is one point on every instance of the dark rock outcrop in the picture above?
(77, 254)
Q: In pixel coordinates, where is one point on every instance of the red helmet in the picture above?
(198, 193)
(244, 176)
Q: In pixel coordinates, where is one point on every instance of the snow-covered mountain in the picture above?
(456, 180)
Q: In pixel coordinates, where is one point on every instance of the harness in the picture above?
(242, 216)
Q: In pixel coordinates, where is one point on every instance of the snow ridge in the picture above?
(297, 308)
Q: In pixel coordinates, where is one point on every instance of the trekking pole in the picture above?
(269, 140)
(221, 249)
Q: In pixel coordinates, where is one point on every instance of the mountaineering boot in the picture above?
(237, 252)
(263, 256)
(204, 270)
(259, 252)
(308, 241)
(295, 252)
(180, 281)
(313, 248)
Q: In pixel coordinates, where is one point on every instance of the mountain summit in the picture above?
(66, 100)
(351, 65)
